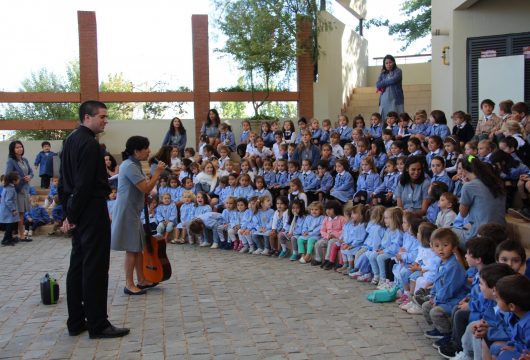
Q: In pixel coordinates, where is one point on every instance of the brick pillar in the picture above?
(201, 71)
(88, 55)
(304, 69)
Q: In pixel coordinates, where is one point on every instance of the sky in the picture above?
(147, 43)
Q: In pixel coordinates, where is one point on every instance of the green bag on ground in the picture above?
(383, 295)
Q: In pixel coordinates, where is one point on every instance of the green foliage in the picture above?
(415, 27)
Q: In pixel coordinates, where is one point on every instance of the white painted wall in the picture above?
(342, 66)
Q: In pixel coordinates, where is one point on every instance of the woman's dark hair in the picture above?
(217, 118)
(172, 129)
(163, 154)
(10, 178)
(484, 172)
(389, 57)
(12, 145)
(405, 177)
(504, 160)
(335, 205)
(439, 117)
(492, 273)
(113, 162)
(134, 143)
(515, 289)
(437, 189)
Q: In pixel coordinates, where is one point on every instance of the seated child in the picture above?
(448, 203)
(383, 194)
(57, 216)
(353, 235)
(48, 202)
(166, 215)
(367, 181)
(260, 237)
(310, 231)
(34, 218)
(436, 189)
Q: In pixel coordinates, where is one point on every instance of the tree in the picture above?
(415, 27)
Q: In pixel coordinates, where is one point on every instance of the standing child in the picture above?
(166, 214)
(243, 138)
(9, 216)
(44, 159)
(292, 229)
(449, 285)
(448, 204)
(367, 181)
(353, 236)
(36, 217)
(260, 237)
(111, 201)
(310, 231)
(390, 246)
(330, 232)
(187, 211)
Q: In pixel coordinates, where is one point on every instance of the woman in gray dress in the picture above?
(16, 162)
(127, 233)
(389, 85)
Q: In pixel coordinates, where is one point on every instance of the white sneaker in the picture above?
(257, 252)
(375, 280)
(382, 284)
(30, 233)
(214, 246)
(415, 309)
(355, 275)
(265, 252)
(365, 278)
(243, 250)
(25, 232)
(460, 356)
(204, 244)
(302, 260)
(406, 306)
(251, 250)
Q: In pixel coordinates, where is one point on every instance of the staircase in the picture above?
(365, 100)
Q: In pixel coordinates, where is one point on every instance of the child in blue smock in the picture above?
(186, 211)
(406, 255)
(390, 246)
(166, 215)
(436, 189)
(260, 237)
(439, 173)
(205, 225)
(44, 161)
(248, 220)
(449, 285)
(310, 231)
(49, 202)
(36, 217)
(343, 188)
(367, 181)
(383, 194)
(9, 216)
(229, 217)
(353, 236)
(362, 152)
(325, 181)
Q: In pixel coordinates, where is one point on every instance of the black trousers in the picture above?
(8, 235)
(45, 181)
(88, 275)
(32, 225)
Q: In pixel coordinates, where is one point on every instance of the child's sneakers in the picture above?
(365, 278)
(355, 274)
(345, 271)
(435, 334)
(406, 305)
(414, 309)
(283, 254)
(243, 250)
(382, 284)
(404, 298)
(375, 280)
(265, 252)
(251, 249)
(302, 260)
(214, 246)
(257, 252)
(294, 257)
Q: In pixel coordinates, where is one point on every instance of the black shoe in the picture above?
(16, 239)
(8, 243)
(129, 292)
(328, 266)
(110, 332)
(142, 287)
(324, 264)
(316, 263)
(78, 331)
(449, 350)
(442, 342)
(26, 239)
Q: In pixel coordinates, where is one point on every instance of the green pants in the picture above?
(310, 244)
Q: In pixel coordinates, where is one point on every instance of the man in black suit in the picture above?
(83, 189)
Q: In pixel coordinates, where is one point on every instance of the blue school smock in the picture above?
(316, 135)
(419, 129)
(443, 177)
(281, 179)
(331, 162)
(375, 236)
(166, 212)
(325, 183)
(431, 154)
(368, 182)
(211, 219)
(292, 176)
(309, 181)
(344, 132)
(358, 158)
(375, 131)
(380, 161)
(441, 130)
(163, 190)
(298, 224)
(389, 183)
(498, 329)
(202, 209)
(354, 234)
(243, 137)
(38, 214)
(8, 206)
(411, 245)
(244, 192)
(262, 192)
(45, 162)
(269, 177)
(457, 188)
(520, 330)
(324, 136)
(265, 221)
(432, 212)
(449, 284)
(268, 138)
(245, 219)
(312, 225)
(412, 198)
(392, 241)
(343, 189)
(110, 206)
(236, 217)
(57, 213)
(227, 139)
(186, 212)
(176, 193)
(227, 213)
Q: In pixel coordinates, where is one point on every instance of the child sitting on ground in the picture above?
(34, 218)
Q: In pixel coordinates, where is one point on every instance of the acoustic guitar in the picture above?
(156, 265)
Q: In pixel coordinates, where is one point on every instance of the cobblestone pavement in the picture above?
(217, 305)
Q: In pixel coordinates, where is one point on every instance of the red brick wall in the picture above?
(201, 70)
(305, 71)
(88, 55)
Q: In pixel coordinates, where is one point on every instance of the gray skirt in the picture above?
(23, 201)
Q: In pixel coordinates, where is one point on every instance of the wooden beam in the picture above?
(88, 55)
(201, 71)
(39, 97)
(146, 96)
(38, 124)
(259, 96)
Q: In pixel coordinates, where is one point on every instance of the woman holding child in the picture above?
(127, 233)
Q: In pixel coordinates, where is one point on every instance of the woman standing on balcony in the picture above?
(389, 87)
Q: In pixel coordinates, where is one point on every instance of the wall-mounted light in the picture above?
(445, 60)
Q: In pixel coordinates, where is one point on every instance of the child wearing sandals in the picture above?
(353, 235)
(375, 230)
(390, 245)
(310, 231)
